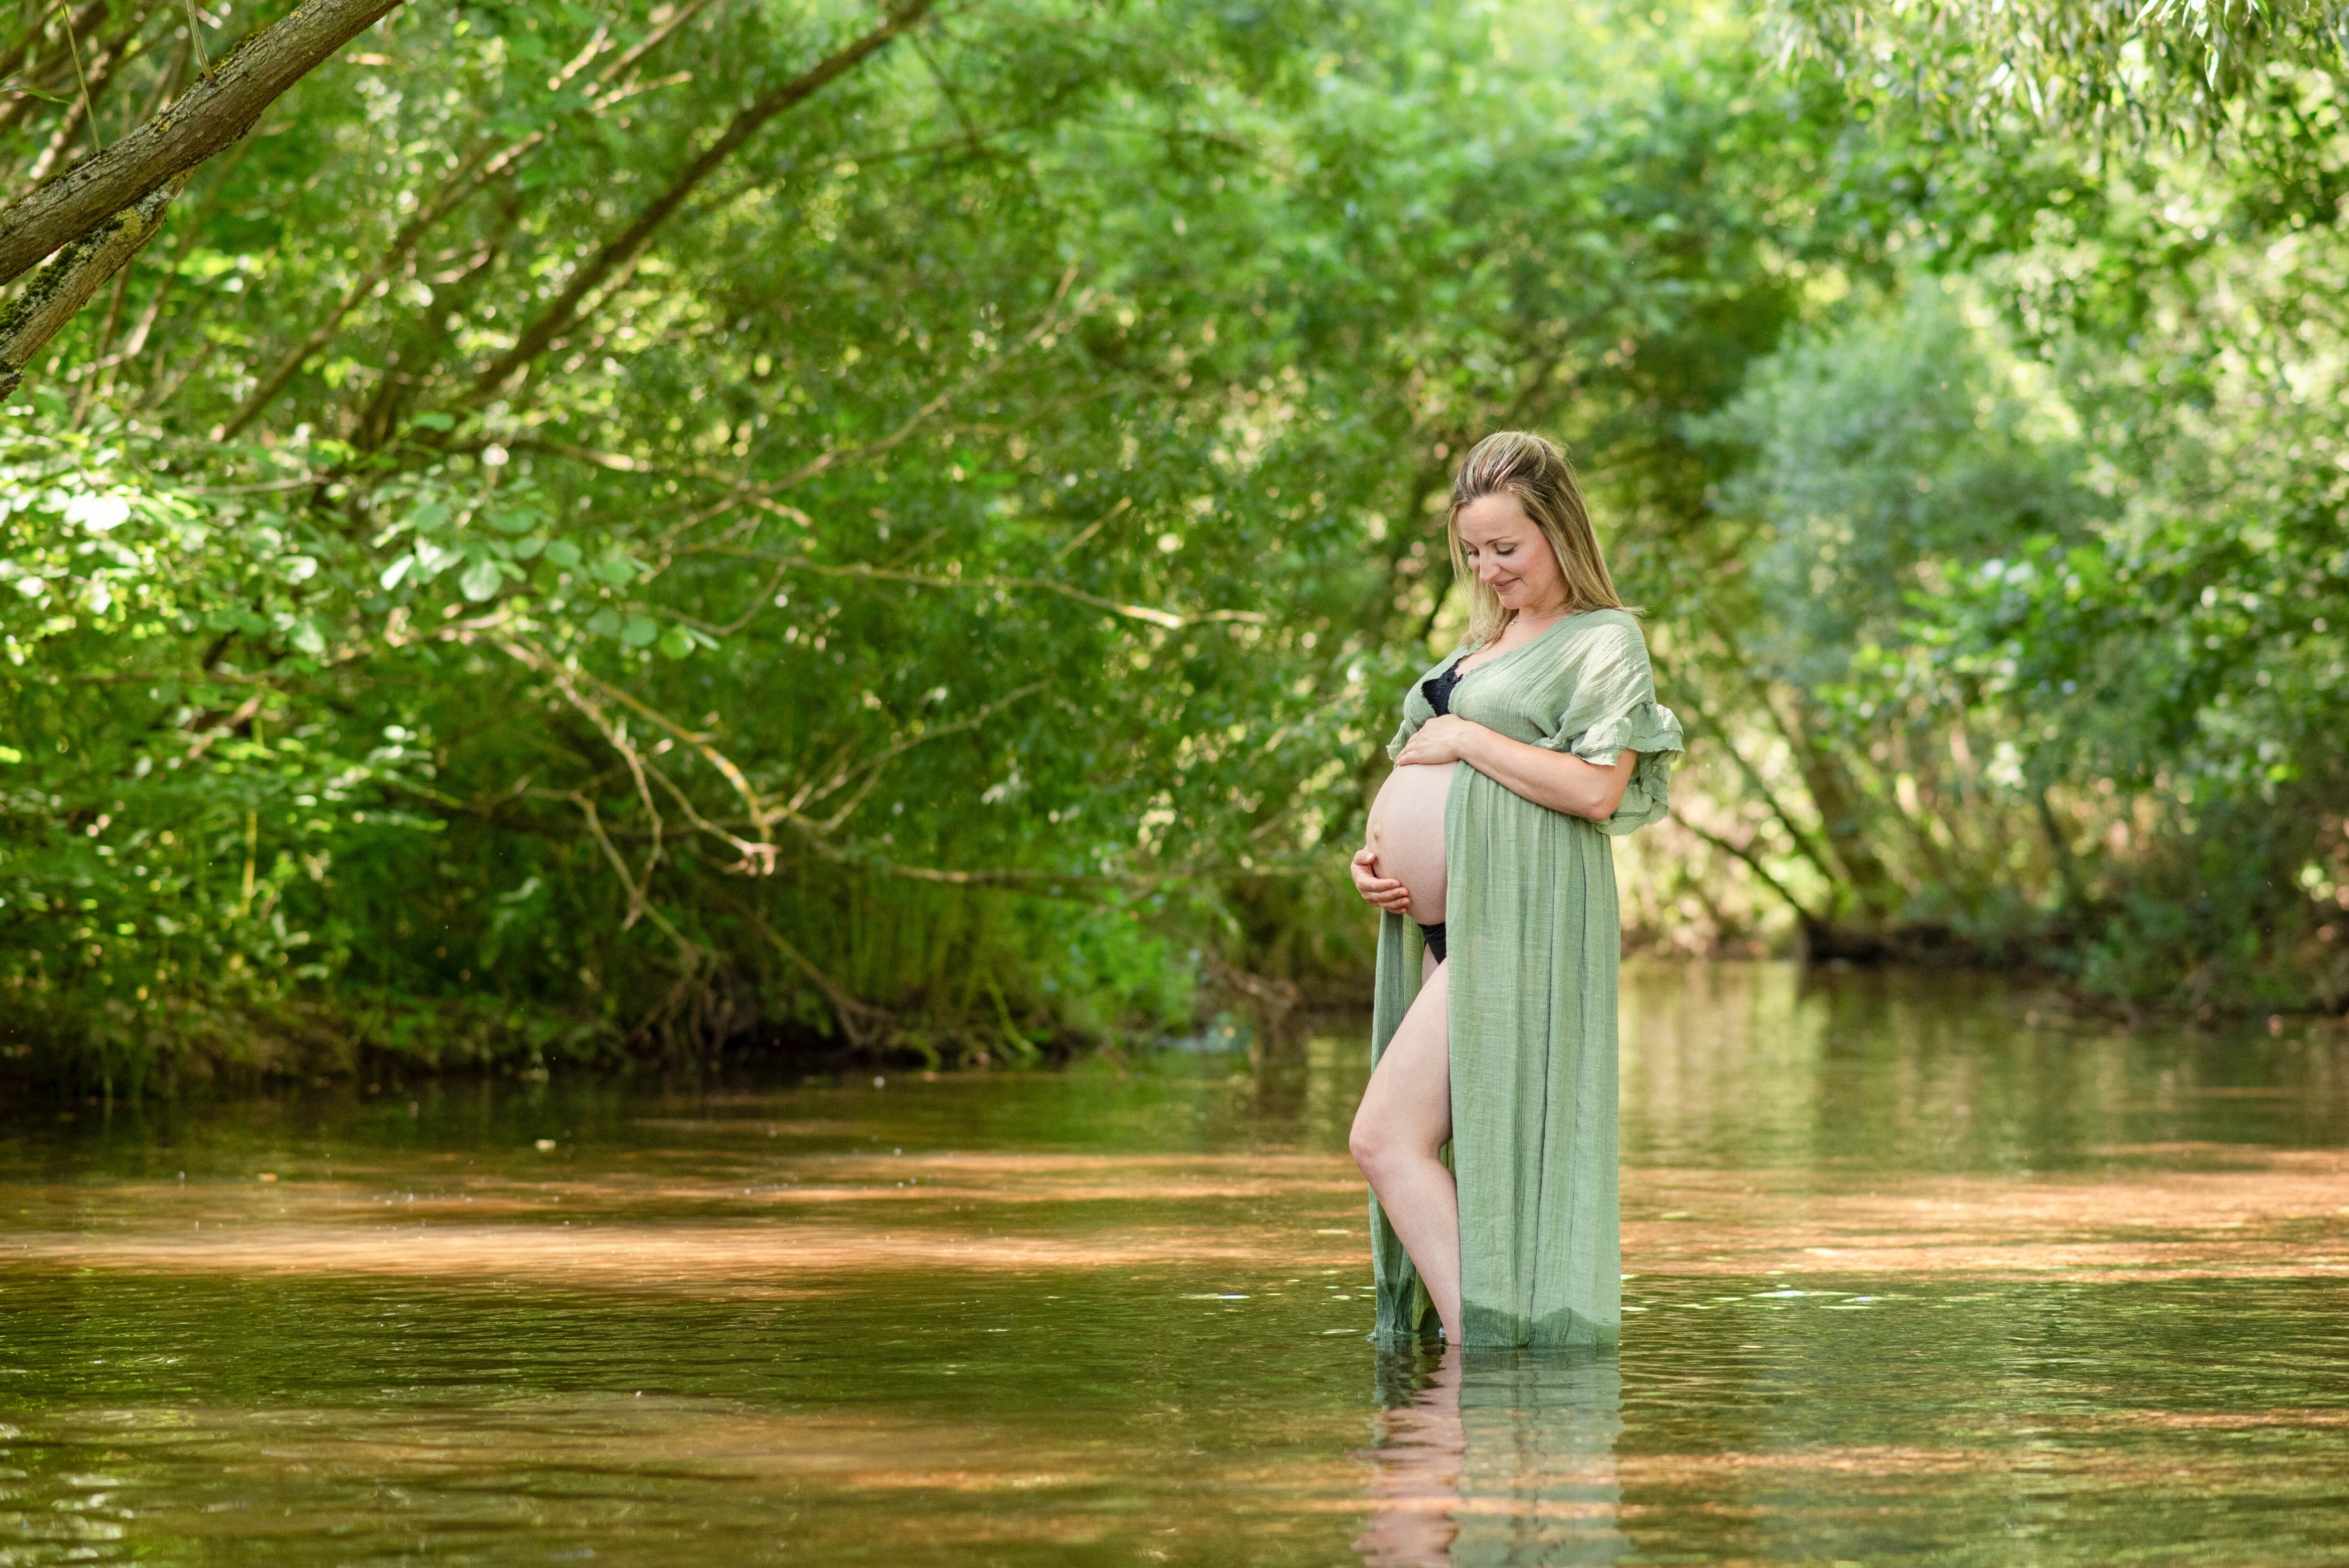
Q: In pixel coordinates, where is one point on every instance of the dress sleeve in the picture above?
(1619, 693)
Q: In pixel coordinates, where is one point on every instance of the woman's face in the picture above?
(1511, 556)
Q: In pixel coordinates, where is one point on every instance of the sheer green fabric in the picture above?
(1533, 939)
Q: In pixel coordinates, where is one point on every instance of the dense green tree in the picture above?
(628, 528)
(2070, 680)
(653, 527)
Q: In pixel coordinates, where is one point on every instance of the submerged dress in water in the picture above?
(1534, 941)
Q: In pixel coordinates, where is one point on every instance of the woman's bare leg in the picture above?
(1406, 1118)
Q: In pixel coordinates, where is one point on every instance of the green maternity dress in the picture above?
(1532, 938)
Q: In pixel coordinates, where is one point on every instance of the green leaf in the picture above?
(562, 553)
(431, 560)
(437, 421)
(606, 622)
(640, 631)
(676, 642)
(481, 579)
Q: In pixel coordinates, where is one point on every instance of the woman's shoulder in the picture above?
(1620, 620)
(1608, 634)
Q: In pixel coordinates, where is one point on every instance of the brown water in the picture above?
(1918, 1275)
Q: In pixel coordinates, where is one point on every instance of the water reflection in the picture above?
(1770, 1064)
(1924, 1274)
(1496, 1458)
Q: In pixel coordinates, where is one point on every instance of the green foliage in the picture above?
(2140, 67)
(1879, 450)
(942, 584)
(2185, 660)
(570, 544)
(2069, 680)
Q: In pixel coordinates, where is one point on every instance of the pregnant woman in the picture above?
(1488, 857)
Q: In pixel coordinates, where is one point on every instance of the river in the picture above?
(1921, 1269)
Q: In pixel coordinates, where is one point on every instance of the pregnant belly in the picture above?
(1407, 834)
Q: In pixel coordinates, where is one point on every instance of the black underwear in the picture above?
(1437, 689)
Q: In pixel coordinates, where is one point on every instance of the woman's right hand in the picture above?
(1385, 892)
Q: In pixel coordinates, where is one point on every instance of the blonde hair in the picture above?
(1535, 470)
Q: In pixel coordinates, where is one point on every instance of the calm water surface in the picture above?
(1921, 1272)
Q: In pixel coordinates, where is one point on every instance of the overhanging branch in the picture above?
(65, 285)
(1752, 863)
(488, 163)
(623, 249)
(222, 108)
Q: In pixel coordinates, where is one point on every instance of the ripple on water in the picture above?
(1917, 1279)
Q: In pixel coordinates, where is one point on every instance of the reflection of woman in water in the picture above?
(1496, 887)
(1502, 1458)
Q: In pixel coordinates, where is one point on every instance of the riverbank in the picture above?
(380, 1048)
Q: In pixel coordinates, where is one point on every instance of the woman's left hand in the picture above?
(1446, 737)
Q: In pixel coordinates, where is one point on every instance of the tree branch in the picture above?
(1171, 620)
(65, 285)
(564, 310)
(487, 164)
(1759, 785)
(220, 109)
(83, 23)
(1053, 322)
(1755, 865)
(718, 760)
(871, 766)
(853, 1017)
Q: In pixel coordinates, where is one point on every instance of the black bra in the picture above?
(1437, 689)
